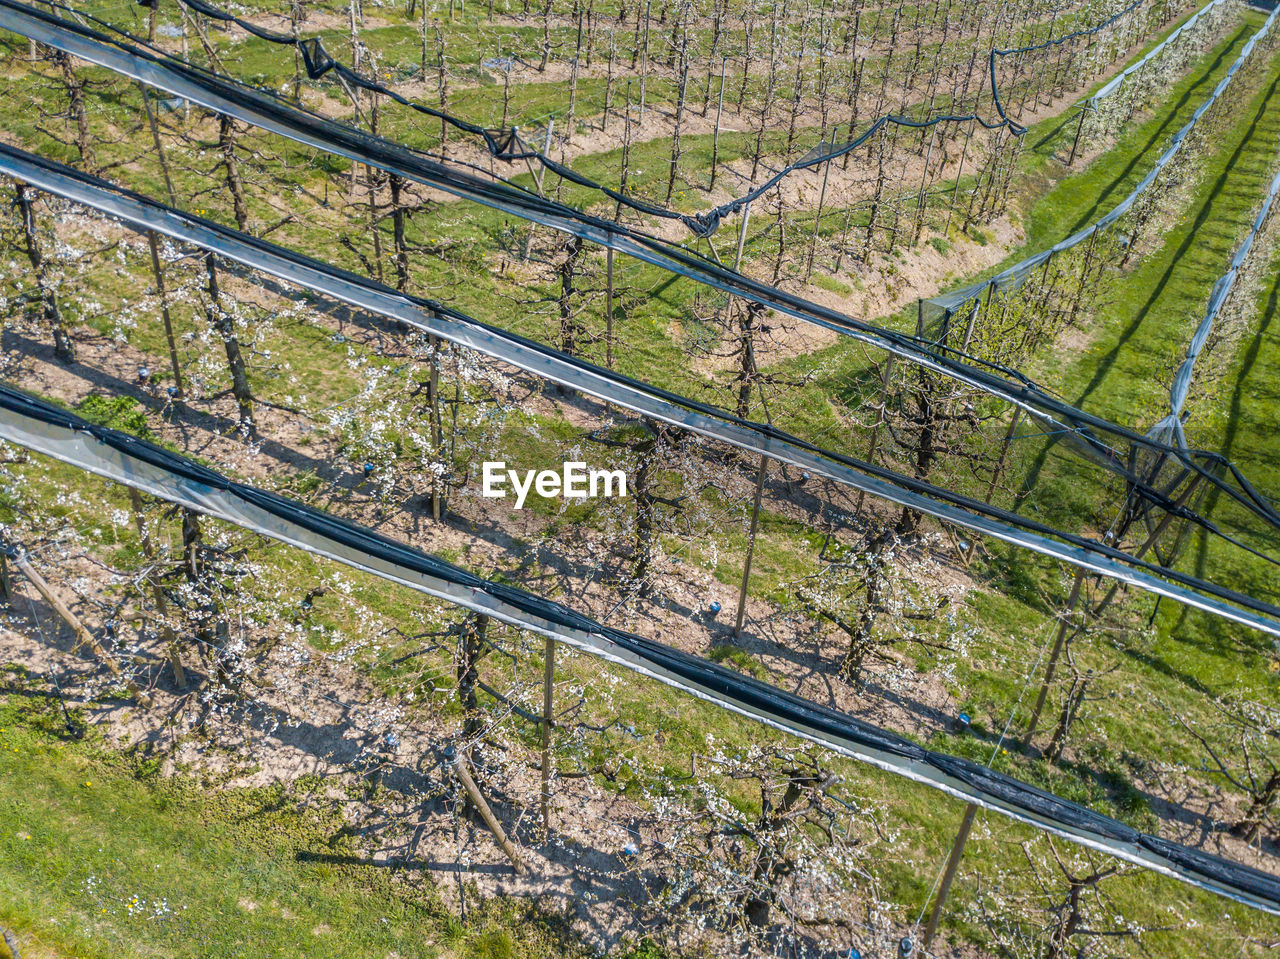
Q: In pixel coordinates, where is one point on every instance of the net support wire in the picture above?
(1013, 276)
(270, 113)
(507, 145)
(41, 427)
(635, 396)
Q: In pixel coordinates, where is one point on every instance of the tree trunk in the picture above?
(747, 367)
(926, 446)
(205, 615)
(862, 639)
(398, 221)
(771, 862)
(680, 102)
(1250, 826)
(571, 330)
(75, 95)
(1066, 717)
(227, 143)
(471, 649)
(64, 348)
(224, 326)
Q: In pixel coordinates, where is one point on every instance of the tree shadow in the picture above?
(1089, 215)
(1193, 236)
(191, 423)
(1106, 363)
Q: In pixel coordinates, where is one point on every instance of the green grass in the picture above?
(172, 839)
(1147, 318)
(1058, 200)
(100, 858)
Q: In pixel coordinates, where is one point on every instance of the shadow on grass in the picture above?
(1193, 236)
(1090, 214)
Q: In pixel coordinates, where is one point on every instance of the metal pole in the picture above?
(715, 137)
(955, 197)
(1072, 600)
(538, 176)
(751, 545)
(548, 679)
(608, 308)
(953, 863)
(1076, 142)
(924, 186)
(644, 60)
(742, 237)
(822, 198)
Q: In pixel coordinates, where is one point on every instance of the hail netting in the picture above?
(430, 470)
(1142, 84)
(575, 323)
(1170, 428)
(272, 115)
(1132, 212)
(1226, 315)
(39, 426)
(1012, 317)
(1030, 68)
(271, 676)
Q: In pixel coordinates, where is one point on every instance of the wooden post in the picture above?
(822, 198)
(548, 704)
(968, 330)
(164, 314)
(608, 308)
(715, 137)
(1072, 600)
(477, 800)
(742, 237)
(944, 888)
(83, 636)
(986, 302)
(751, 545)
(1076, 142)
